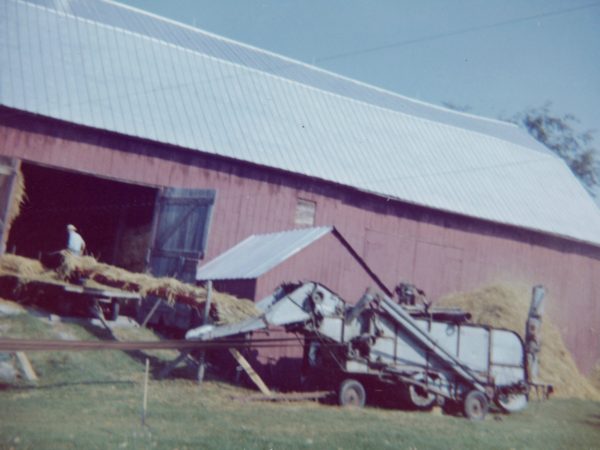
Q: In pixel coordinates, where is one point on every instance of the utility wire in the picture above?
(434, 37)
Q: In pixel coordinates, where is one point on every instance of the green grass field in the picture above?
(93, 400)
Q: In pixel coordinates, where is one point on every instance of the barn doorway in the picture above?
(134, 227)
(114, 218)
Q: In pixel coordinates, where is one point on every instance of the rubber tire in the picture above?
(512, 403)
(475, 405)
(352, 394)
(417, 401)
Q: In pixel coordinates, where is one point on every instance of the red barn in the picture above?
(168, 145)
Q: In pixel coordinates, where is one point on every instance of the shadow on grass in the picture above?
(20, 387)
(156, 364)
(593, 420)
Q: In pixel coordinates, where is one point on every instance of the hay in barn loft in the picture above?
(224, 309)
(18, 198)
(507, 306)
(133, 245)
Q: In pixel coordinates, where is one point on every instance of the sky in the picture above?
(494, 58)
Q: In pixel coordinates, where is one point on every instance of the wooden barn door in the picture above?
(180, 231)
(8, 176)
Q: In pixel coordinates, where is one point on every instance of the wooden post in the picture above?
(201, 360)
(145, 401)
(209, 287)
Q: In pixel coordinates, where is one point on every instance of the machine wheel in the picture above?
(475, 406)
(352, 394)
(512, 402)
(419, 398)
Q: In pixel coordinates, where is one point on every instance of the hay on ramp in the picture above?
(26, 269)
(507, 306)
(224, 308)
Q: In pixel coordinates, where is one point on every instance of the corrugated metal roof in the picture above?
(107, 66)
(259, 253)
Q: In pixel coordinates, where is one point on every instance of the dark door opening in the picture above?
(114, 218)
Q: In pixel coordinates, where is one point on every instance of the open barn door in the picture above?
(180, 232)
(8, 179)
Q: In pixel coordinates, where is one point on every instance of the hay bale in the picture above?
(505, 306)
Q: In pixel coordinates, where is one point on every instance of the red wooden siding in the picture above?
(437, 251)
(326, 261)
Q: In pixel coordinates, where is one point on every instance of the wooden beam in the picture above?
(250, 371)
(151, 313)
(26, 367)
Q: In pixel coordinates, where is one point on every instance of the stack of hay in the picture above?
(224, 308)
(595, 377)
(504, 306)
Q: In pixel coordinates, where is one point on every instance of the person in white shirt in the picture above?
(75, 243)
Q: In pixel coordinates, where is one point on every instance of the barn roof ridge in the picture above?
(315, 68)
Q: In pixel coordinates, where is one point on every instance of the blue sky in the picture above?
(496, 57)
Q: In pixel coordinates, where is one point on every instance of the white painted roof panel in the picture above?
(259, 253)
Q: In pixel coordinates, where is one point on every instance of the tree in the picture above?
(558, 133)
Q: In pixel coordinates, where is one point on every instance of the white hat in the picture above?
(71, 227)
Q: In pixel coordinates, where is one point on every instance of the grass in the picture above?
(92, 400)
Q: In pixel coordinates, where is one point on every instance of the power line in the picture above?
(434, 37)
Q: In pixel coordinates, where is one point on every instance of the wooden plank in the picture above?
(26, 367)
(202, 359)
(250, 371)
(151, 313)
(104, 293)
(283, 397)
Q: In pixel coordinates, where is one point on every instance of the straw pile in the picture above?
(595, 377)
(224, 308)
(504, 306)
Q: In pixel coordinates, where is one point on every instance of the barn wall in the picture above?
(326, 261)
(437, 251)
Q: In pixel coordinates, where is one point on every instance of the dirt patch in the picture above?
(507, 306)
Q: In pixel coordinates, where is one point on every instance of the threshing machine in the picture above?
(429, 355)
